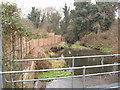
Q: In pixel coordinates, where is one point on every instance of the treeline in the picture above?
(84, 19)
(71, 24)
(47, 18)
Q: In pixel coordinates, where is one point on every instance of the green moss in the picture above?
(63, 44)
(77, 46)
(53, 74)
(106, 50)
(50, 54)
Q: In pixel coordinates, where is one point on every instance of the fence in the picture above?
(28, 45)
(84, 75)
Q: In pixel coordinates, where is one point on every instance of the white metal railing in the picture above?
(78, 57)
(84, 75)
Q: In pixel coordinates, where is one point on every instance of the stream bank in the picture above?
(77, 50)
(68, 51)
(90, 81)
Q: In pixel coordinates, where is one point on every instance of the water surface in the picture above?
(88, 61)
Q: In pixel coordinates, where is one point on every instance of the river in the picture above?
(90, 81)
(88, 61)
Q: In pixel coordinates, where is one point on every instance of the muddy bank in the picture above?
(36, 53)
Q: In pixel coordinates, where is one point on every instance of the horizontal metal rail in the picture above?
(59, 69)
(113, 87)
(70, 68)
(78, 57)
(31, 80)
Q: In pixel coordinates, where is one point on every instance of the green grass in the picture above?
(53, 74)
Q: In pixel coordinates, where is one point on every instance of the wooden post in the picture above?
(1, 76)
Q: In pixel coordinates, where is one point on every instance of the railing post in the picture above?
(12, 58)
(88, 59)
(84, 76)
(73, 73)
(21, 54)
(1, 76)
(102, 62)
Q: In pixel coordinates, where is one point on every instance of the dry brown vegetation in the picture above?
(107, 39)
(35, 65)
(39, 52)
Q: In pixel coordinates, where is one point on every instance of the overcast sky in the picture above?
(26, 5)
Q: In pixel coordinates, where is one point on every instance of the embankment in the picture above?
(106, 41)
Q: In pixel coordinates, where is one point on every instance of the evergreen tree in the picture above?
(65, 22)
(36, 17)
(91, 17)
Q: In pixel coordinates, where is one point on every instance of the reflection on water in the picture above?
(89, 61)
